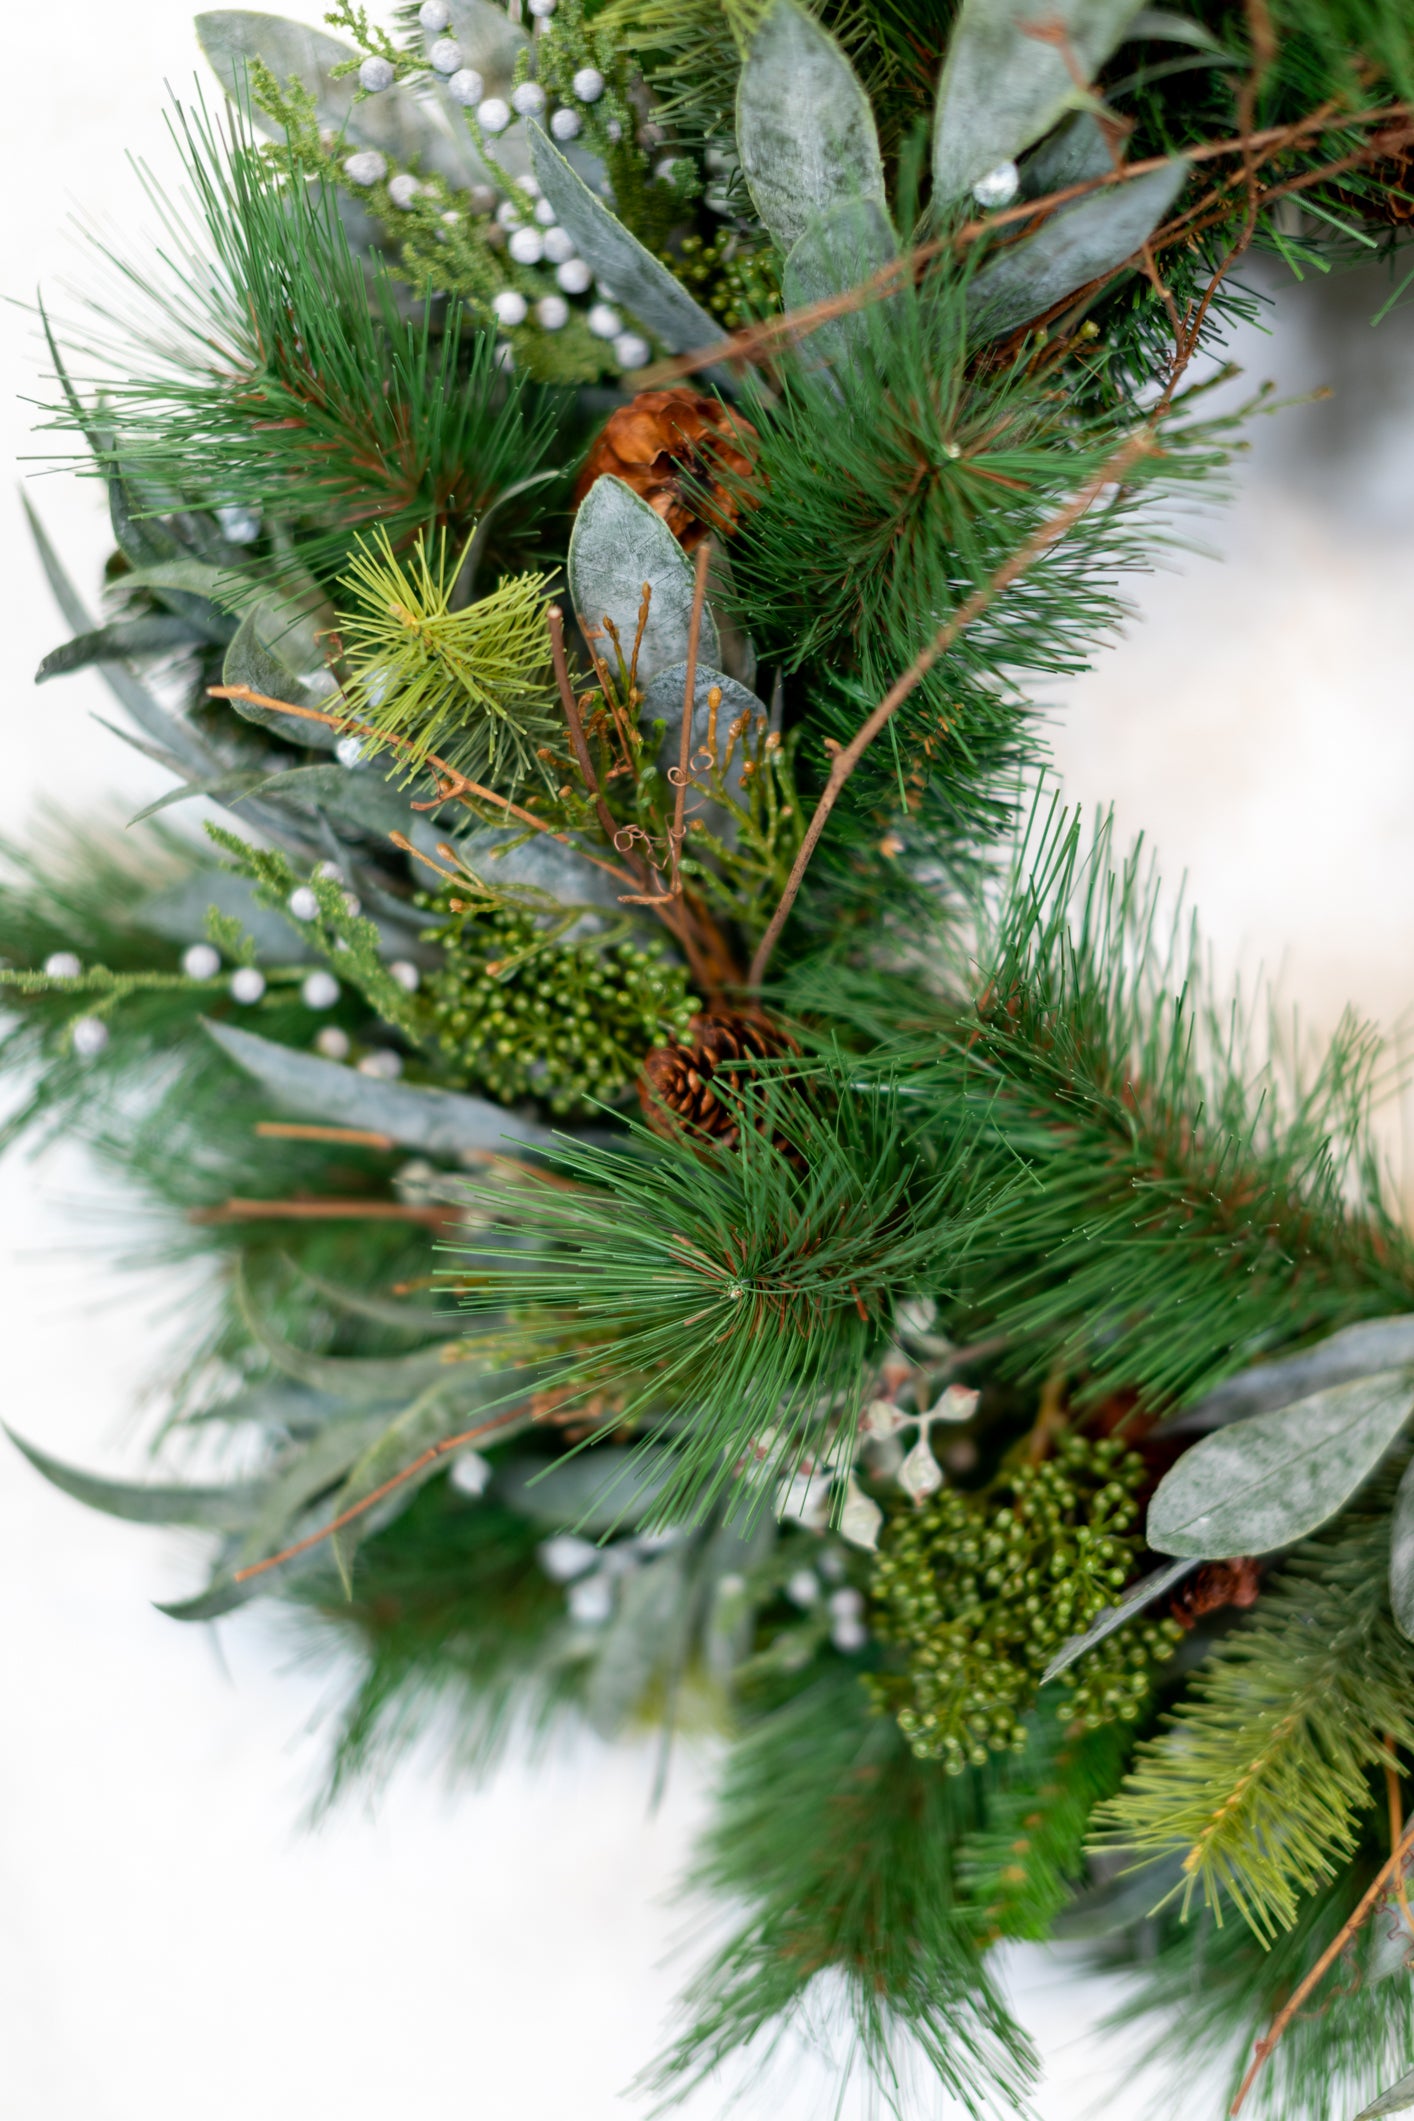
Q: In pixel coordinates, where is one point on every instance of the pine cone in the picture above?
(670, 445)
(1216, 1585)
(675, 1087)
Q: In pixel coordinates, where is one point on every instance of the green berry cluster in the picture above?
(517, 1015)
(736, 284)
(979, 1593)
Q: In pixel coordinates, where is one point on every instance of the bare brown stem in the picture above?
(292, 1130)
(320, 1211)
(986, 594)
(689, 702)
(556, 620)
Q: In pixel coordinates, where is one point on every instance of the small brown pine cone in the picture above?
(670, 445)
(675, 1086)
(1215, 1585)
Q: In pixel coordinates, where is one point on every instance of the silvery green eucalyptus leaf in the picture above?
(155, 633)
(1397, 2100)
(663, 701)
(1075, 245)
(617, 545)
(1401, 1555)
(659, 301)
(1114, 1616)
(276, 651)
(406, 129)
(1003, 87)
(1355, 1351)
(1264, 1483)
(394, 1451)
(804, 129)
(842, 246)
(149, 1502)
(441, 1122)
(645, 1645)
(605, 1488)
(1075, 153)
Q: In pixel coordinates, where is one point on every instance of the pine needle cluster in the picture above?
(473, 684)
(1264, 1776)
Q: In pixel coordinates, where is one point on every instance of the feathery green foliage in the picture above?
(244, 380)
(1265, 1771)
(841, 1845)
(472, 684)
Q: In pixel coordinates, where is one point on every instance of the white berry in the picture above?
(434, 15)
(588, 84)
(382, 1064)
(403, 189)
(90, 1036)
(62, 965)
(376, 74)
(201, 961)
(366, 167)
(241, 526)
(332, 1043)
(544, 213)
(559, 245)
(446, 55)
(349, 750)
(552, 312)
(505, 355)
(494, 115)
(302, 903)
(406, 974)
(527, 246)
(574, 276)
(466, 87)
(631, 350)
(614, 130)
(319, 990)
(566, 124)
(999, 187)
(511, 307)
(541, 8)
(247, 985)
(470, 1474)
(508, 214)
(528, 101)
(605, 323)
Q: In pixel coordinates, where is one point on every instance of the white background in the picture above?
(172, 1942)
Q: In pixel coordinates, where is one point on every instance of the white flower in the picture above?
(466, 87)
(446, 55)
(528, 101)
(552, 312)
(319, 990)
(806, 1498)
(527, 246)
(881, 1418)
(366, 167)
(494, 115)
(574, 276)
(957, 1403)
(920, 1475)
(510, 306)
(566, 124)
(201, 961)
(604, 322)
(861, 1518)
(588, 84)
(376, 74)
(999, 187)
(62, 964)
(247, 984)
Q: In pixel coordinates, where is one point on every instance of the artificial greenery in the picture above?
(730, 773)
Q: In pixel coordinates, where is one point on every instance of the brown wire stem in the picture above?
(848, 757)
(1391, 1870)
(357, 1509)
(689, 702)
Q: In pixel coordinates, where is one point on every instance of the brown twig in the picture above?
(848, 757)
(556, 621)
(1393, 1868)
(1396, 1825)
(296, 1131)
(689, 704)
(251, 1211)
(357, 1509)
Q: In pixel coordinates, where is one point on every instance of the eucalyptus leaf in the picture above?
(179, 913)
(222, 788)
(617, 545)
(441, 1122)
(1266, 1482)
(605, 1488)
(150, 716)
(1355, 1351)
(537, 863)
(1160, 25)
(1397, 2100)
(150, 635)
(148, 1502)
(276, 651)
(1401, 1555)
(841, 247)
(405, 128)
(1003, 86)
(646, 1643)
(309, 1474)
(1074, 153)
(1114, 1616)
(489, 41)
(657, 298)
(804, 129)
(663, 701)
(394, 1451)
(1077, 244)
